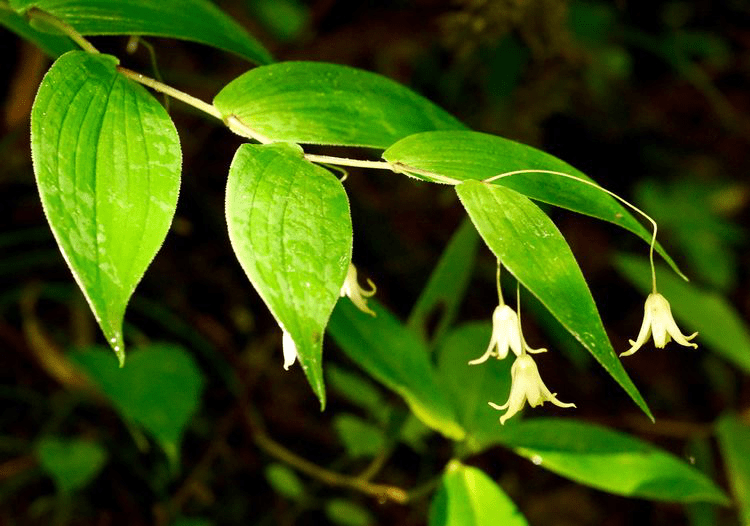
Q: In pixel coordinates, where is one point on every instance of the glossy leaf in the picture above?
(195, 20)
(442, 295)
(610, 461)
(468, 497)
(53, 45)
(455, 156)
(720, 327)
(395, 356)
(734, 442)
(532, 248)
(107, 162)
(71, 463)
(318, 103)
(290, 228)
(470, 387)
(160, 389)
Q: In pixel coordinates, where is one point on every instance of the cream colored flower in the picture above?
(506, 334)
(526, 385)
(658, 321)
(289, 348)
(357, 294)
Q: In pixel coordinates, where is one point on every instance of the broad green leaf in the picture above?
(160, 389)
(396, 357)
(360, 391)
(360, 438)
(446, 287)
(468, 497)
(609, 460)
(720, 327)
(348, 513)
(470, 387)
(107, 162)
(734, 442)
(318, 103)
(526, 241)
(71, 463)
(285, 481)
(53, 45)
(290, 228)
(455, 156)
(195, 20)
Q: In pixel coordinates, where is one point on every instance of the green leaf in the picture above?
(313, 102)
(107, 163)
(347, 513)
(71, 463)
(290, 228)
(285, 481)
(446, 287)
(195, 20)
(526, 241)
(734, 442)
(396, 357)
(284, 19)
(455, 156)
(609, 460)
(360, 438)
(360, 391)
(53, 45)
(468, 497)
(160, 389)
(720, 327)
(470, 387)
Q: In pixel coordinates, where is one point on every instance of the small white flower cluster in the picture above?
(526, 383)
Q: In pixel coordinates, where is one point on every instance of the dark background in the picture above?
(650, 99)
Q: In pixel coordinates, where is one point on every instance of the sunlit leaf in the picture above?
(195, 20)
(318, 103)
(468, 497)
(107, 162)
(609, 460)
(455, 156)
(526, 241)
(290, 228)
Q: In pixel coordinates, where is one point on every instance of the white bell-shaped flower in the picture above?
(526, 385)
(506, 335)
(659, 323)
(357, 294)
(289, 348)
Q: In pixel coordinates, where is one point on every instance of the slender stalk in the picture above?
(499, 290)
(594, 185)
(172, 92)
(343, 161)
(408, 170)
(66, 28)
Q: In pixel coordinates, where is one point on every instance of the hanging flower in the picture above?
(289, 348)
(526, 384)
(357, 294)
(658, 321)
(506, 334)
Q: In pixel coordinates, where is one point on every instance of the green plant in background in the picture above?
(107, 160)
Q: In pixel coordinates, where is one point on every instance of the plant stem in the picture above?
(343, 161)
(594, 185)
(499, 290)
(66, 28)
(172, 92)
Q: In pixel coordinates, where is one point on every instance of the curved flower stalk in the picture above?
(659, 323)
(526, 385)
(357, 294)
